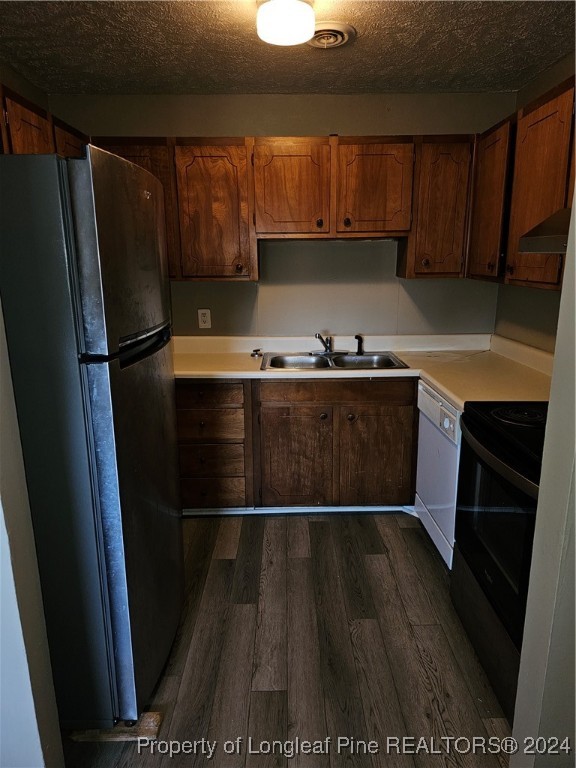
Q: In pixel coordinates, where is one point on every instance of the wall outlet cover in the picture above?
(204, 318)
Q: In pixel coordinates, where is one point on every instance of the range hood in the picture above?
(550, 236)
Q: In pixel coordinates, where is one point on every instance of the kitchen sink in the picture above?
(303, 361)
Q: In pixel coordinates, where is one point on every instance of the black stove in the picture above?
(513, 431)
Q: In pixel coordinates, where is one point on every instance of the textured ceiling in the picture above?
(210, 46)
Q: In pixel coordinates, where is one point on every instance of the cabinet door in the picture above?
(485, 252)
(29, 131)
(68, 142)
(213, 205)
(374, 186)
(376, 454)
(292, 185)
(539, 186)
(441, 218)
(296, 455)
(157, 159)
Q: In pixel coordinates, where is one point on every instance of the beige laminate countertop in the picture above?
(458, 375)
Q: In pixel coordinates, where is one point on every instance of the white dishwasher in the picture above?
(437, 468)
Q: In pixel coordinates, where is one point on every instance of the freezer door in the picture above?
(133, 415)
(119, 229)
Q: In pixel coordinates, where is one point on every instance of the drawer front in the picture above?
(398, 391)
(206, 394)
(214, 424)
(213, 492)
(211, 460)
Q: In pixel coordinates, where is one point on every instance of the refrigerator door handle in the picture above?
(150, 346)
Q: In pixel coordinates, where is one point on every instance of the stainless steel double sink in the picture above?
(302, 361)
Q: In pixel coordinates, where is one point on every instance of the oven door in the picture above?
(495, 516)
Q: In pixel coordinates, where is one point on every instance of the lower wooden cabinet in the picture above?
(323, 443)
(214, 445)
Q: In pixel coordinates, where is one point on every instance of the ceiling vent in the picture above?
(332, 34)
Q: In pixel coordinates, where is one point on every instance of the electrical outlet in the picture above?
(204, 318)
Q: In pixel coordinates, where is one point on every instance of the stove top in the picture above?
(512, 430)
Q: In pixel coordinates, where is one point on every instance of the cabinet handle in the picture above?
(425, 262)
(202, 460)
(350, 417)
(319, 223)
(239, 267)
(202, 423)
(323, 416)
(347, 222)
(490, 266)
(510, 269)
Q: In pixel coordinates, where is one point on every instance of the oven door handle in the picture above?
(509, 474)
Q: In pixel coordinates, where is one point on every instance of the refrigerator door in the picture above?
(118, 218)
(133, 417)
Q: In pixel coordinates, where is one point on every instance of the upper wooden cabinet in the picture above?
(374, 186)
(541, 172)
(435, 245)
(292, 185)
(28, 127)
(156, 156)
(68, 141)
(216, 238)
(492, 163)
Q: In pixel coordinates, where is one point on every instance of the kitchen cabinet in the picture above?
(374, 185)
(213, 205)
(68, 142)
(435, 244)
(335, 442)
(156, 156)
(492, 165)
(28, 128)
(214, 443)
(292, 185)
(332, 187)
(539, 188)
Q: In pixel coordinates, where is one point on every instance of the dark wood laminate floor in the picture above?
(315, 628)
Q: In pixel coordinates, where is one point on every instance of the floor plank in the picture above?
(306, 717)
(404, 520)
(270, 648)
(499, 727)
(350, 564)
(298, 537)
(245, 589)
(268, 722)
(226, 547)
(435, 576)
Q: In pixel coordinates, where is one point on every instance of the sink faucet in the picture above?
(326, 343)
(360, 340)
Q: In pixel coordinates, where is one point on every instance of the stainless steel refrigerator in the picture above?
(86, 303)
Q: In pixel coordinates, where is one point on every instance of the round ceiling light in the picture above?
(331, 34)
(285, 22)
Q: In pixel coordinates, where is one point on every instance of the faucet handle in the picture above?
(360, 340)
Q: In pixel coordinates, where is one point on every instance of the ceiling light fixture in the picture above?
(285, 22)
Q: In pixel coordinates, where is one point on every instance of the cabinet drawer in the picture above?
(396, 391)
(203, 394)
(212, 424)
(213, 492)
(211, 460)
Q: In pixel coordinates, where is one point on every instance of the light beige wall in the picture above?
(284, 115)
(528, 315)
(340, 287)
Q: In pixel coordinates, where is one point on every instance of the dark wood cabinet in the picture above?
(68, 142)
(435, 245)
(216, 239)
(488, 230)
(28, 128)
(374, 185)
(541, 178)
(335, 442)
(214, 446)
(156, 156)
(292, 185)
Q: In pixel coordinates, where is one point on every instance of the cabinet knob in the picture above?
(202, 423)
(239, 267)
(490, 266)
(425, 262)
(510, 269)
(350, 417)
(347, 222)
(202, 460)
(323, 416)
(319, 223)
